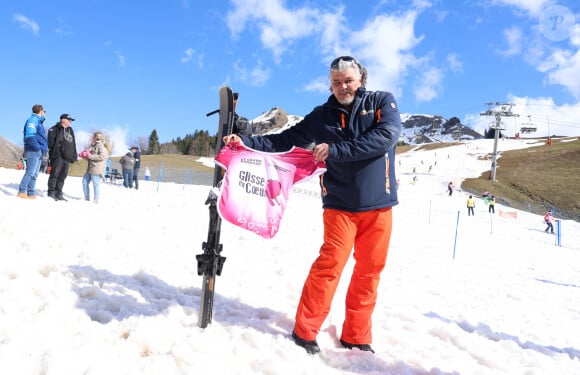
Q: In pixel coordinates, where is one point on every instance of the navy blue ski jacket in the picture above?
(360, 167)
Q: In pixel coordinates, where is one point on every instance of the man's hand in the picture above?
(232, 138)
(321, 151)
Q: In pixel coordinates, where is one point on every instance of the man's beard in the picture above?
(347, 100)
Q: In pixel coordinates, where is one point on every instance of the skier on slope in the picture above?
(548, 218)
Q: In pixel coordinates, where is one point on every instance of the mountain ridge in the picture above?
(417, 128)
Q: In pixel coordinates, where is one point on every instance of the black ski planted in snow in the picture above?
(210, 263)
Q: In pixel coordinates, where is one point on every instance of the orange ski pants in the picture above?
(370, 233)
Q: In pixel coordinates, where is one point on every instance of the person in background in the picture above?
(128, 165)
(147, 174)
(96, 156)
(22, 162)
(62, 151)
(548, 218)
(35, 146)
(470, 206)
(242, 125)
(450, 188)
(485, 197)
(491, 202)
(137, 156)
(44, 163)
(352, 133)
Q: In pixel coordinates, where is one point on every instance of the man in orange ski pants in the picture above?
(370, 231)
(354, 133)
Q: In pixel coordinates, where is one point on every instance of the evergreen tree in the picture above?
(153, 148)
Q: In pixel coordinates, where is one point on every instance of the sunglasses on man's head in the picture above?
(336, 61)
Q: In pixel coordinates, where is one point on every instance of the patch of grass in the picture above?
(536, 178)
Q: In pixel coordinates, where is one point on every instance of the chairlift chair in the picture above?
(528, 127)
(501, 126)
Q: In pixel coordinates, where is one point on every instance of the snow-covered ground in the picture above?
(113, 289)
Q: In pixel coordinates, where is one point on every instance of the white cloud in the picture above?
(533, 7)
(385, 46)
(575, 36)
(513, 38)
(454, 63)
(121, 59)
(429, 84)
(190, 55)
(559, 64)
(280, 27)
(187, 55)
(63, 29)
(563, 66)
(568, 74)
(27, 23)
(256, 76)
(331, 26)
(318, 85)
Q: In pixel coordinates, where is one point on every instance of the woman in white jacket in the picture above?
(96, 156)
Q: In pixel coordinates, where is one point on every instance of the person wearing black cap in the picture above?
(242, 125)
(62, 151)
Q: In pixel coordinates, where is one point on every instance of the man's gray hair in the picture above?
(340, 64)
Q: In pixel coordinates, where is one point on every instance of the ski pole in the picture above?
(160, 176)
(456, 229)
(558, 233)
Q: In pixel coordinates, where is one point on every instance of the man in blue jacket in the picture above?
(35, 145)
(355, 133)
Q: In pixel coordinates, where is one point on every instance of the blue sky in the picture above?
(128, 67)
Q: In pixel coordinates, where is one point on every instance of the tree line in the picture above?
(200, 143)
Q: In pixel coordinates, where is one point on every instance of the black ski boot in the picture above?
(363, 347)
(311, 346)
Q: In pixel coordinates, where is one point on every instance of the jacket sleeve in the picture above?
(51, 138)
(75, 155)
(41, 139)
